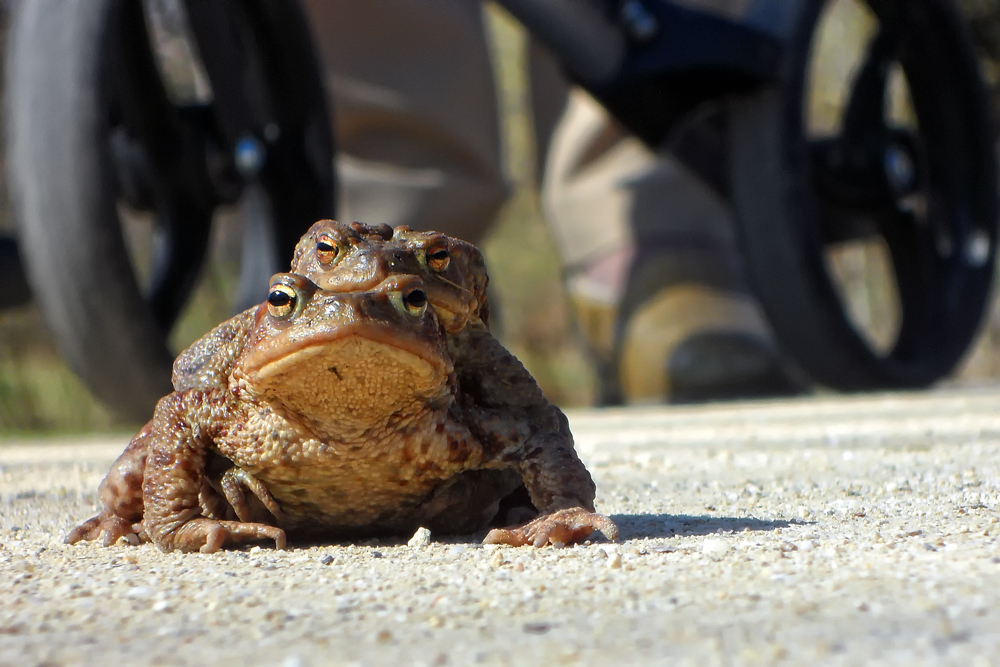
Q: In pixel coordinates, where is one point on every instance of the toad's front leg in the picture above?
(183, 428)
(561, 489)
(506, 411)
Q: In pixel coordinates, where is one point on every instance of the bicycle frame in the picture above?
(651, 62)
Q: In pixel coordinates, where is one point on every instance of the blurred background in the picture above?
(39, 395)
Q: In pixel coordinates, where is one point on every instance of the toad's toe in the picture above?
(566, 526)
(110, 526)
(208, 536)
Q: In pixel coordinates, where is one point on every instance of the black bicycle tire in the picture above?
(63, 195)
(776, 218)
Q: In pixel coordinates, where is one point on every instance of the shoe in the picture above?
(687, 343)
(693, 343)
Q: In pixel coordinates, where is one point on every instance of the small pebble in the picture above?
(615, 561)
(130, 539)
(662, 549)
(498, 559)
(537, 628)
(138, 592)
(326, 560)
(714, 548)
(376, 554)
(421, 538)
(457, 549)
(24, 566)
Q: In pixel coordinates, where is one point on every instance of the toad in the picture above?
(501, 401)
(345, 407)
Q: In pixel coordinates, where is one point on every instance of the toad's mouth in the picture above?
(358, 375)
(292, 350)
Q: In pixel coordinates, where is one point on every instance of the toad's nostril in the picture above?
(416, 298)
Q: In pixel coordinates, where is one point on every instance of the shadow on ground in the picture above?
(630, 527)
(633, 526)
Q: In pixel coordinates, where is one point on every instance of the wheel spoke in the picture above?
(259, 256)
(180, 244)
(224, 59)
(913, 258)
(174, 146)
(865, 112)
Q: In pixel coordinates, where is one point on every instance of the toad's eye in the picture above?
(438, 259)
(416, 301)
(281, 301)
(326, 249)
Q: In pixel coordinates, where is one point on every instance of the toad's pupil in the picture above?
(279, 298)
(439, 254)
(417, 298)
(323, 246)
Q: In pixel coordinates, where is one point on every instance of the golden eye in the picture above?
(415, 301)
(326, 249)
(438, 258)
(281, 301)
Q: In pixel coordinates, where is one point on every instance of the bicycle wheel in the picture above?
(900, 170)
(92, 128)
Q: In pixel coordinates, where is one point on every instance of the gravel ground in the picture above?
(821, 531)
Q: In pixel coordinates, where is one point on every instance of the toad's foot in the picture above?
(112, 527)
(561, 527)
(234, 481)
(208, 536)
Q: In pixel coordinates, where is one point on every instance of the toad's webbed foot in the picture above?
(234, 481)
(208, 535)
(566, 526)
(111, 526)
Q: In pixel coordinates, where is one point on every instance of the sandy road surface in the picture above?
(822, 531)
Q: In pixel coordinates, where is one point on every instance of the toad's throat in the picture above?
(352, 383)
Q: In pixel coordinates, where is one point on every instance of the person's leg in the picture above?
(653, 269)
(415, 112)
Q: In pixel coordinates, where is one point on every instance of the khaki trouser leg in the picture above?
(630, 223)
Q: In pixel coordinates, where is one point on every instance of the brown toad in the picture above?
(501, 402)
(345, 407)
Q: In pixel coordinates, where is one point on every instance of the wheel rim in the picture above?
(921, 193)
